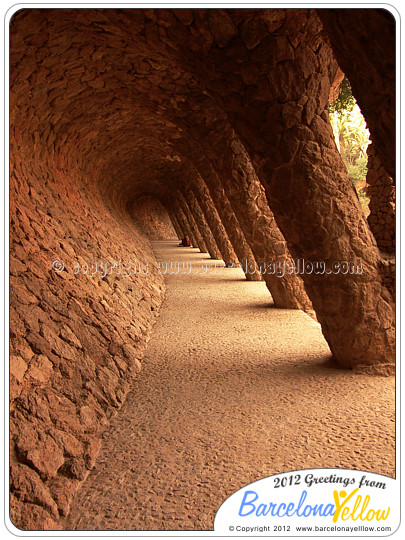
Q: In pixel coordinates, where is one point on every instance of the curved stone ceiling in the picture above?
(100, 96)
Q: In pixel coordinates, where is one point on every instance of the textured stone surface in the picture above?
(152, 219)
(109, 105)
(173, 218)
(234, 232)
(202, 224)
(249, 203)
(183, 222)
(207, 205)
(206, 171)
(286, 131)
(76, 336)
(192, 224)
(381, 190)
(178, 455)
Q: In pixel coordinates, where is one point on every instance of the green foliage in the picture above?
(345, 100)
(357, 169)
(353, 133)
(364, 201)
(352, 139)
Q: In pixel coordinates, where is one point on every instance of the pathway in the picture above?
(232, 390)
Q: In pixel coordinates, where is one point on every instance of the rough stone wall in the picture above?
(152, 219)
(381, 190)
(76, 338)
(77, 335)
(106, 101)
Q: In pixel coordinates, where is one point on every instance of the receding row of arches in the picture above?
(220, 115)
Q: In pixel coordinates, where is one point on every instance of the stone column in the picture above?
(363, 42)
(199, 164)
(248, 201)
(285, 127)
(177, 227)
(381, 190)
(184, 224)
(203, 196)
(206, 233)
(192, 223)
(233, 230)
(180, 233)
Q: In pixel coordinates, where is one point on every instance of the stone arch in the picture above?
(109, 104)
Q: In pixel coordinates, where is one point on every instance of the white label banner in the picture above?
(313, 502)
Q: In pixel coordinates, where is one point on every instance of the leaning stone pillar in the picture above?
(185, 226)
(206, 233)
(203, 196)
(193, 225)
(180, 233)
(203, 167)
(319, 213)
(233, 229)
(364, 43)
(286, 130)
(248, 201)
(381, 190)
(177, 228)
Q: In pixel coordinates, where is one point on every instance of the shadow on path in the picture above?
(229, 393)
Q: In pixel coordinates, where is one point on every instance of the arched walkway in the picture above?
(231, 391)
(131, 124)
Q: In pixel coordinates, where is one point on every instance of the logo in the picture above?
(313, 502)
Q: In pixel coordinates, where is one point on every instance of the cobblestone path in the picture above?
(231, 390)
